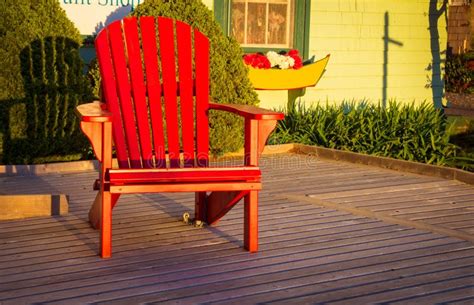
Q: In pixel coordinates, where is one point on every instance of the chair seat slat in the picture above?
(221, 186)
(184, 175)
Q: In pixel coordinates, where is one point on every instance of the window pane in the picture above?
(263, 23)
(277, 24)
(238, 21)
(256, 23)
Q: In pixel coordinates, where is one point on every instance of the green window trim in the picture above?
(302, 23)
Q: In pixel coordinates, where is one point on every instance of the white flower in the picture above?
(284, 65)
(280, 61)
(273, 57)
(291, 61)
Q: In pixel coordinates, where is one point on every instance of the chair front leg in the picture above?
(100, 136)
(251, 221)
(106, 217)
(256, 135)
(106, 225)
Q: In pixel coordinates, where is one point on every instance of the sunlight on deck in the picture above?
(330, 232)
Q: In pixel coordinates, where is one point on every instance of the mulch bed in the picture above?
(460, 100)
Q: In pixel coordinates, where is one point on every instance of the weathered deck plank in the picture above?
(308, 253)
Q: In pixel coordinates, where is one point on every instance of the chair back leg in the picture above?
(200, 206)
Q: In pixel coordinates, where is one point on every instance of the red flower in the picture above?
(296, 56)
(257, 60)
(298, 62)
(260, 61)
(293, 52)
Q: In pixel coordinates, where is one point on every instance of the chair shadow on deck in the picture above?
(174, 209)
(76, 220)
(72, 223)
(171, 208)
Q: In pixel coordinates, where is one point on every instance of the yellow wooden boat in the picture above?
(277, 79)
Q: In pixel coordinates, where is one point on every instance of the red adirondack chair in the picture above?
(143, 95)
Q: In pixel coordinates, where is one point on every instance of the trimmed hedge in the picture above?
(42, 81)
(415, 133)
(229, 81)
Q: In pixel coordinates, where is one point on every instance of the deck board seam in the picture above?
(381, 216)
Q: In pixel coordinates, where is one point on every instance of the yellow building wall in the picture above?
(365, 65)
(209, 3)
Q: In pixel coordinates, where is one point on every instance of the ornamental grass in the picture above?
(419, 133)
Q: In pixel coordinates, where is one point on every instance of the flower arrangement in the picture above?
(284, 71)
(282, 60)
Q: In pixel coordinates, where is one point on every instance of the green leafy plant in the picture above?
(229, 81)
(465, 141)
(42, 81)
(459, 76)
(408, 132)
(93, 75)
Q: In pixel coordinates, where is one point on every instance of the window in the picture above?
(257, 23)
(262, 25)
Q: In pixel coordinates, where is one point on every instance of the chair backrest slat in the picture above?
(183, 33)
(201, 49)
(142, 61)
(110, 95)
(166, 38)
(138, 89)
(124, 92)
(150, 54)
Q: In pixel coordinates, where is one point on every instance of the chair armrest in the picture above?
(259, 123)
(248, 111)
(93, 112)
(96, 124)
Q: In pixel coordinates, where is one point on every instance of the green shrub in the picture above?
(93, 74)
(229, 81)
(408, 132)
(42, 81)
(459, 77)
(464, 139)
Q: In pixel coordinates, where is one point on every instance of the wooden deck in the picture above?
(330, 232)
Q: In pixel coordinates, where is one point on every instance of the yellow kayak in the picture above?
(276, 79)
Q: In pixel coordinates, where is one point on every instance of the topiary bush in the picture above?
(42, 81)
(229, 81)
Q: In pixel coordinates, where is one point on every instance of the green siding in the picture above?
(363, 63)
(352, 32)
